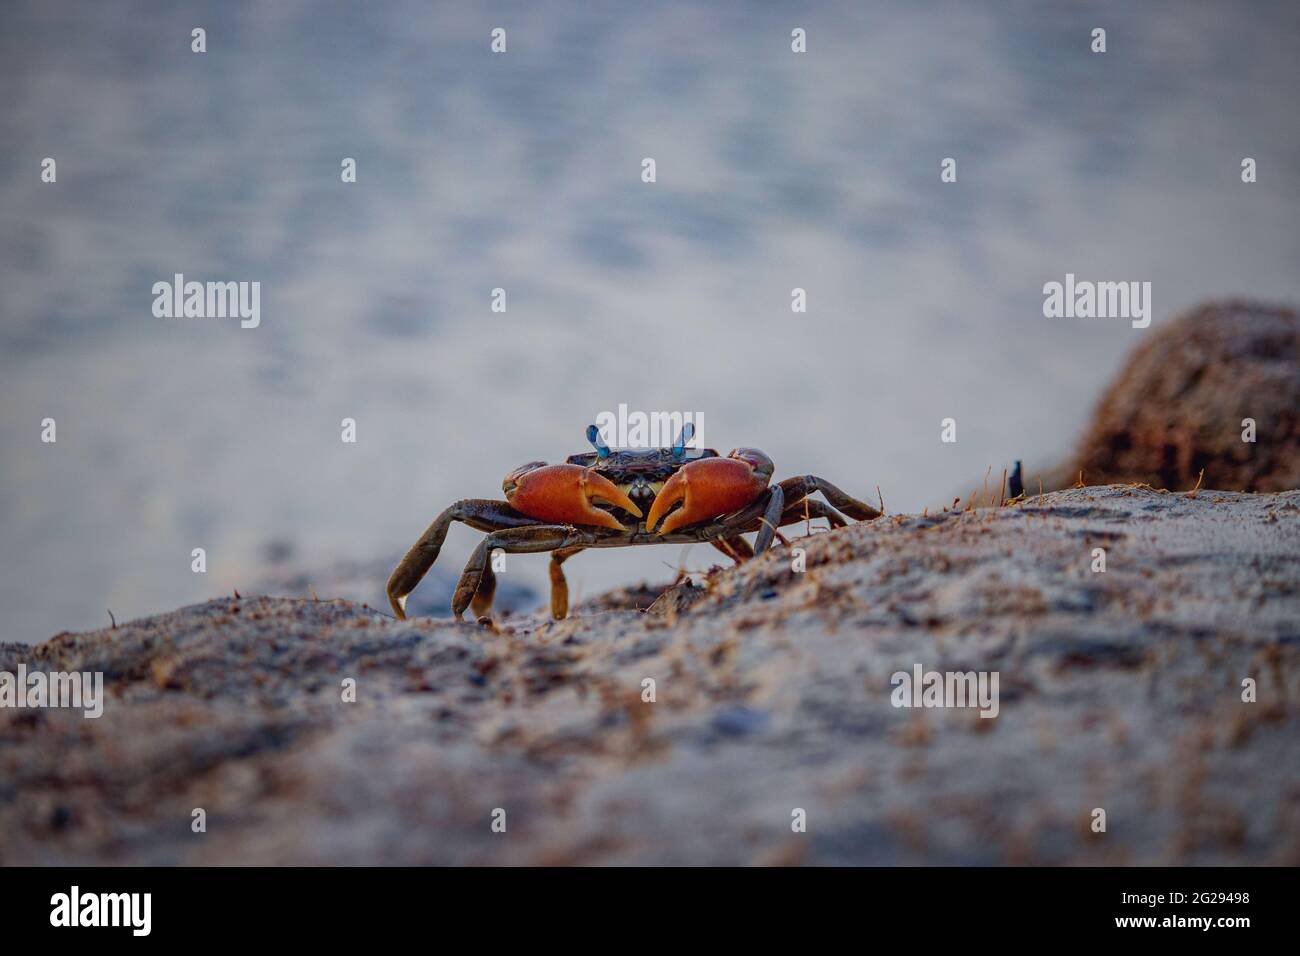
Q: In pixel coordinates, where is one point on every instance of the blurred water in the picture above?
(522, 171)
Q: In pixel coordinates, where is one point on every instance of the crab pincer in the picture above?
(709, 488)
(564, 494)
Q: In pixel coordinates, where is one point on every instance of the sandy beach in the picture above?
(1120, 690)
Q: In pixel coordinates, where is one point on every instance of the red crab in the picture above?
(611, 499)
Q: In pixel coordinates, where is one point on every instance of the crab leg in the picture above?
(737, 548)
(801, 487)
(481, 604)
(808, 510)
(771, 518)
(542, 537)
(560, 586)
(480, 514)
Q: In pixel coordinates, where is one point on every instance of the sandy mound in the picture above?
(1178, 404)
(1119, 690)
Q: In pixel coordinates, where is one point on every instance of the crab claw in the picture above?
(563, 494)
(709, 488)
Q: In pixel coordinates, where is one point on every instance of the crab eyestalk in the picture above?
(564, 494)
(682, 440)
(598, 443)
(709, 488)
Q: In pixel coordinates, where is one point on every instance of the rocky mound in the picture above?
(1178, 405)
(1119, 690)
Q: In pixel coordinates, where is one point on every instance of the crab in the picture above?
(617, 498)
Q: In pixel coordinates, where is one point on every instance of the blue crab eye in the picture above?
(679, 446)
(598, 443)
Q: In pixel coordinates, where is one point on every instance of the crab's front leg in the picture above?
(479, 513)
(559, 585)
(528, 540)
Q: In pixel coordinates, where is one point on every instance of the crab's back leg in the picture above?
(810, 509)
(560, 586)
(806, 509)
(796, 489)
(725, 534)
(482, 514)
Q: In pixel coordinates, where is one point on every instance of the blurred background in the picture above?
(522, 171)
